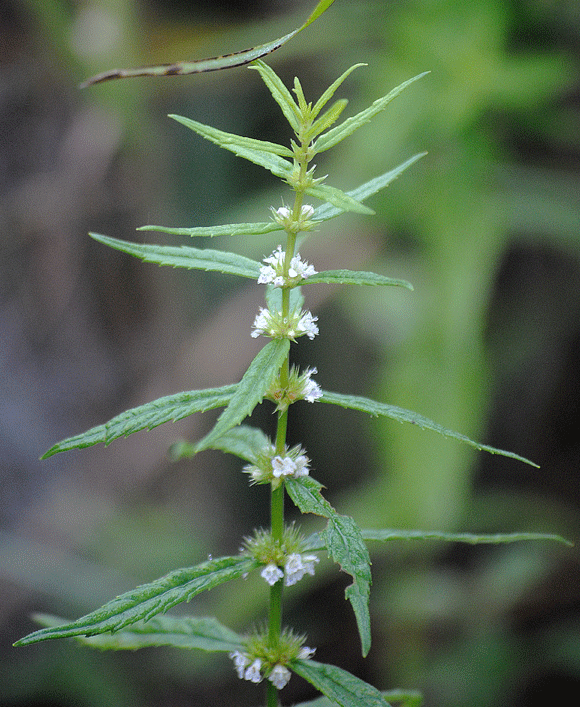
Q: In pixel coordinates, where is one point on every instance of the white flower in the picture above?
(301, 466)
(283, 466)
(273, 468)
(279, 676)
(284, 217)
(290, 466)
(253, 672)
(300, 269)
(240, 663)
(311, 391)
(308, 561)
(307, 326)
(305, 653)
(261, 322)
(271, 573)
(297, 566)
(277, 257)
(272, 273)
(283, 212)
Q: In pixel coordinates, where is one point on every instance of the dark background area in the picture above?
(486, 227)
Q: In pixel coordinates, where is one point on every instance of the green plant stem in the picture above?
(277, 529)
(277, 494)
(275, 618)
(272, 696)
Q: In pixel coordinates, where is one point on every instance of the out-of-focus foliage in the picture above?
(486, 228)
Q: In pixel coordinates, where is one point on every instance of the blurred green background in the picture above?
(486, 227)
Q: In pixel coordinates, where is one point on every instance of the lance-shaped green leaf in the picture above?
(376, 409)
(321, 7)
(340, 199)
(184, 68)
(280, 93)
(250, 390)
(386, 535)
(316, 541)
(353, 277)
(227, 229)
(340, 132)
(227, 61)
(402, 698)
(364, 191)
(338, 685)
(331, 90)
(186, 257)
(167, 409)
(201, 633)
(264, 154)
(148, 600)
(244, 441)
(343, 541)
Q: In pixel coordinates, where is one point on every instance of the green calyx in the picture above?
(266, 549)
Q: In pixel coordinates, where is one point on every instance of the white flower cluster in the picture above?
(274, 324)
(248, 669)
(299, 386)
(272, 273)
(274, 469)
(287, 466)
(311, 391)
(245, 668)
(295, 567)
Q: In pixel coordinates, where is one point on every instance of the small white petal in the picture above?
(279, 676)
(301, 464)
(253, 672)
(282, 466)
(240, 663)
(293, 569)
(309, 561)
(301, 267)
(267, 275)
(312, 392)
(307, 325)
(305, 653)
(271, 573)
(261, 322)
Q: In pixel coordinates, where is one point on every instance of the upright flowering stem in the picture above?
(277, 494)
(292, 228)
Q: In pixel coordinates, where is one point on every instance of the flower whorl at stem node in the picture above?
(282, 559)
(284, 217)
(295, 567)
(272, 468)
(273, 272)
(277, 326)
(261, 660)
(300, 386)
